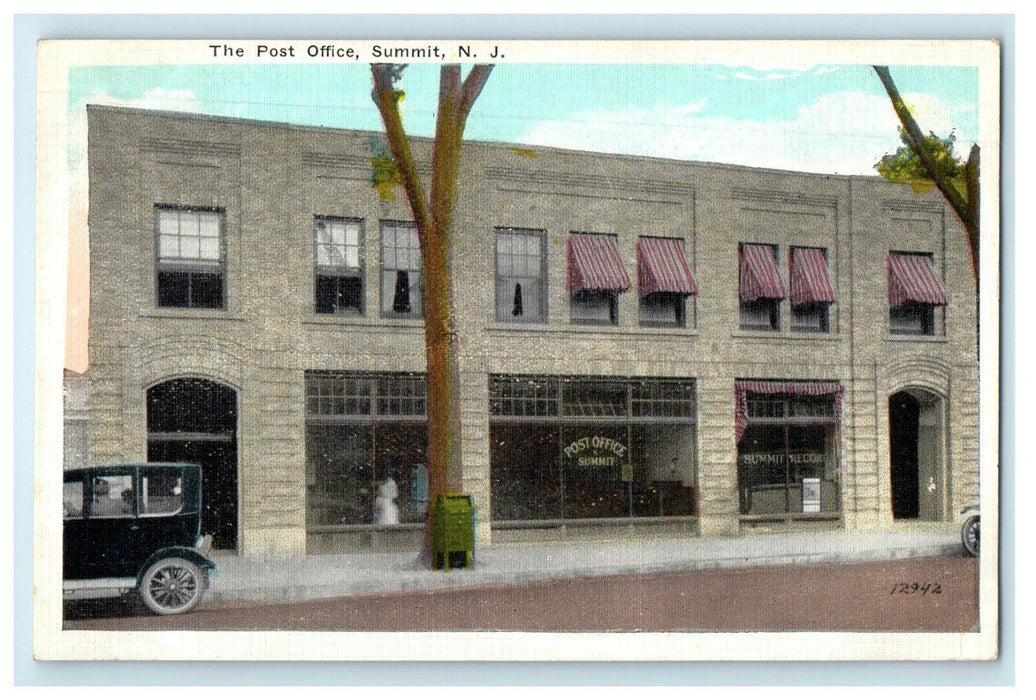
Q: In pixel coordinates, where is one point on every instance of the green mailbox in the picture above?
(453, 534)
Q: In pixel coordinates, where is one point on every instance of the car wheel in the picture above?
(172, 586)
(969, 535)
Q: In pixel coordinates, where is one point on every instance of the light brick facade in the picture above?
(269, 181)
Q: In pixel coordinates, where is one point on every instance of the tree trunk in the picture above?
(434, 221)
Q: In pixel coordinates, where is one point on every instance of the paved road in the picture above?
(876, 596)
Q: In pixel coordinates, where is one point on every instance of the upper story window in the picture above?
(915, 293)
(664, 281)
(190, 263)
(339, 273)
(520, 275)
(760, 287)
(811, 290)
(401, 286)
(596, 277)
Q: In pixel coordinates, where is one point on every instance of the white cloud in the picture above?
(843, 133)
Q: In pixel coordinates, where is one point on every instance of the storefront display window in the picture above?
(788, 448)
(577, 448)
(364, 434)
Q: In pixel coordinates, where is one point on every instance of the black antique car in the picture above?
(136, 527)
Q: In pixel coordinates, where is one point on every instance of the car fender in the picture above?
(191, 555)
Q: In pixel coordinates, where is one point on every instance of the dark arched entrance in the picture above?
(904, 411)
(195, 420)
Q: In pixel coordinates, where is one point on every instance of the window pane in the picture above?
(189, 224)
(168, 221)
(206, 290)
(168, 246)
(592, 307)
(161, 493)
(72, 498)
(174, 289)
(337, 233)
(209, 249)
(189, 247)
(113, 496)
(209, 224)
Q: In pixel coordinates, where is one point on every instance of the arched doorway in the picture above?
(195, 420)
(916, 455)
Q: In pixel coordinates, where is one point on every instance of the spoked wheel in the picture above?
(172, 586)
(969, 535)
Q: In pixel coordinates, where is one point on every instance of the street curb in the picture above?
(413, 581)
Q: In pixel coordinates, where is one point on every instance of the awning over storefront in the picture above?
(760, 277)
(662, 267)
(912, 278)
(810, 281)
(594, 264)
(744, 387)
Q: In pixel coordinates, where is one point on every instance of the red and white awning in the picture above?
(594, 264)
(662, 267)
(744, 387)
(810, 281)
(760, 277)
(912, 278)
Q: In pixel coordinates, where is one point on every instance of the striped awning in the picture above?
(912, 278)
(594, 264)
(810, 281)
(744, 387)
(760, 277)
(662, 267)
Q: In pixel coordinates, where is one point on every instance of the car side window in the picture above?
(161, 493)
(73, 499)
(113, 496)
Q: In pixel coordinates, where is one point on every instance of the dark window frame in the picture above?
(189, 282)
(772, 307)
(505, 285)
(801, 314)
(923, 318)
(338, 289)
(393, 303)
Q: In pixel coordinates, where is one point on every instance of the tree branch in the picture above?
(473, 85)
(916, 137)
(383, 76)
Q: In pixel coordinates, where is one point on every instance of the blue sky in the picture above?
(819, 118)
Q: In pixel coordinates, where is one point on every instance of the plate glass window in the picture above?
(401, 287)
(520, 293)
(339, 274)
(190, 258)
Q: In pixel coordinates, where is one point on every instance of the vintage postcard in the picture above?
(517, 350)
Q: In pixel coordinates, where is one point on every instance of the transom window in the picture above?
(577, 397)
(339, 274)
(360, 395)
(190, 257)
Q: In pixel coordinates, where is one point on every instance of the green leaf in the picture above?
(905, 167)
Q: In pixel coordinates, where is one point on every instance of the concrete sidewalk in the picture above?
(278, 579)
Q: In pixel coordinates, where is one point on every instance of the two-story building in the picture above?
(646, 345)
